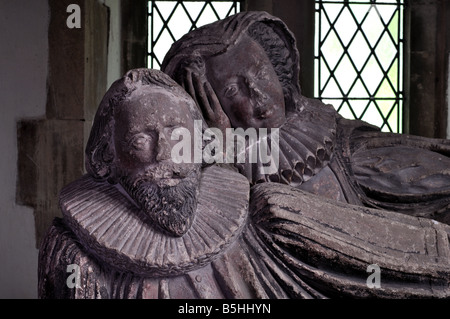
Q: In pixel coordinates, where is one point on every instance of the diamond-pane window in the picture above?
(359, 59)
(170, 20)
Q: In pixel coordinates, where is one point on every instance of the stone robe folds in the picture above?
(284, 244)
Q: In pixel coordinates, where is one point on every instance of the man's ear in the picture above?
(100, 159)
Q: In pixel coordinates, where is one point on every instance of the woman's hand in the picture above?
(205, 97)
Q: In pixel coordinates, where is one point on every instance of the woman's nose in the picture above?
(256, 93)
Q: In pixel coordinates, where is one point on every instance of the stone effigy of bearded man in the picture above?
(140, 216)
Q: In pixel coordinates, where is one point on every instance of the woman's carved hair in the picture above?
(100, 150)
(278, 54)
(190, 53)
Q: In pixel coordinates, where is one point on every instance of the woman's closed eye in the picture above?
(261, 74)
(231, 90)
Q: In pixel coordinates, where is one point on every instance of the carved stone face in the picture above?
(143, 130)
(247, 86)
(142, 137)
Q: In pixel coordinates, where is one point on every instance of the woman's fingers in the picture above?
(202, 97)
(189, 86)
(213, 101)
(207, 100)
(221, 119)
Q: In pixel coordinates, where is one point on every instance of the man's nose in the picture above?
(164, 148)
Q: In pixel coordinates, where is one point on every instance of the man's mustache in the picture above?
(165, 170)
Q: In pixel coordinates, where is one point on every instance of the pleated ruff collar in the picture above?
(306, 145)
(107, 225)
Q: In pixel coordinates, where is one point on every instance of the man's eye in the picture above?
(231, 90)
(140, 142)
(170, 130)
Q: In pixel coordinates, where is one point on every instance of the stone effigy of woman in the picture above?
(243, 72)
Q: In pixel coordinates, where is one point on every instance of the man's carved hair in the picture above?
(100, 150)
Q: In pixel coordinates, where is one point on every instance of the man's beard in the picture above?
(172, 208)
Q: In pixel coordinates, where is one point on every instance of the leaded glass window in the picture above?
(359, 59)
(169, 20)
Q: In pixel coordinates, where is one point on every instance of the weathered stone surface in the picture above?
(145, 225)
(334, 243)
(292, 245)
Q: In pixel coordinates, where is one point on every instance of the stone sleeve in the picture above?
(330, 245)
(65, 270)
